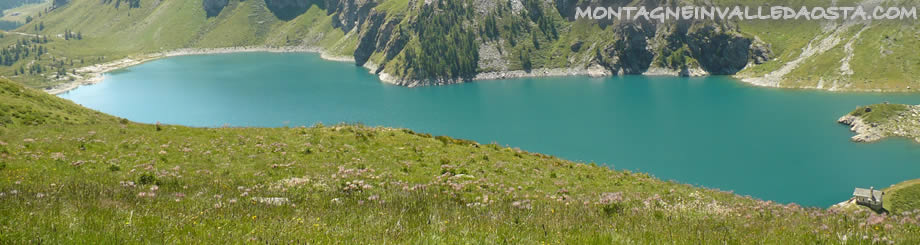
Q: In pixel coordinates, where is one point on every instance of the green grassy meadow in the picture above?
(72, 175)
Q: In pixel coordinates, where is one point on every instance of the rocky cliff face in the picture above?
(290, 9)
(714, 47)
(59, 3)
(373, 28)
(629, 54)
(213, 7)
(634, 48)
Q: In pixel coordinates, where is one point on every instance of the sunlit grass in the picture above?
(102, 180)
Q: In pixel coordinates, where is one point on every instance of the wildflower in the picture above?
(127, 183)
(610, 198)
(39, 195)
(154, 188)
(14, 192)
(17, 182)
(244, 194)
(218, 196)
(232, 201)
(373, 198)
(162, 152)
(276, 201)
(525, 204)
(875, 219)
(57, 156)
(179, 195)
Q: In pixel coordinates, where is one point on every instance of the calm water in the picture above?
(774, 144)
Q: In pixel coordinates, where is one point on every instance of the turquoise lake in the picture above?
(773, 144)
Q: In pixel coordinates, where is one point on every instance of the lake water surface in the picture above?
(773, 144)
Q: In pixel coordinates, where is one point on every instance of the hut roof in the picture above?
(868, 193)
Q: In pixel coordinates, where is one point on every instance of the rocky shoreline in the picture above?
(591, 71)
(865, 132)
(95, 73)
(902, 124)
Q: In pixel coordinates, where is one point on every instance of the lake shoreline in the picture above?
(95, 73)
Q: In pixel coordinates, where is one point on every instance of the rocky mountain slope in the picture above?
(412, 42)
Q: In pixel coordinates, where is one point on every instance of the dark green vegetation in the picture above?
(441, 31)
(112, 180)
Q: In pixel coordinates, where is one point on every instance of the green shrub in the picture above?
(146, 179)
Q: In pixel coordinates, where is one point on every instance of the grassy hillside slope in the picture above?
(117, 181)
(903, 197)
(109, 33)
(23, 106)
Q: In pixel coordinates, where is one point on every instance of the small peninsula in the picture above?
(875, 122)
